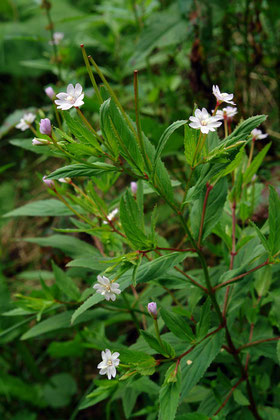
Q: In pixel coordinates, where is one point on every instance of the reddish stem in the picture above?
(228, 396)
(255, 343)
(208, 189)
(241, 276)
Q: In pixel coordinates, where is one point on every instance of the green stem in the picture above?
(157, 331)
(91, 76)
(112, 93)
(138, 122)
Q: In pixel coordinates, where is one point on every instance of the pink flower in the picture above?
(49, 182)
(50, 92)
(73, 97)
(258, 134)
(45, 126)
(222, 97)
(204, 122)
(26, 121)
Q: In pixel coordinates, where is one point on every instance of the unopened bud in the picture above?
(39, 142)
(49, 182)
(133, 186)
(45, 126)
(64, 180)
(50, 92)
(152, 309)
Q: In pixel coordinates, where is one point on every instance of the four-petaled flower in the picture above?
(227, 113)
(109, 363)
(258, 134)
(204, 121)
(107, 288)
(73, 97)
(26, 121)
(222, 97)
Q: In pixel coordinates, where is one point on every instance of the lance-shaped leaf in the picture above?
(170, 393)
(80, 131)
(256, 163)
(83, 169)
(274, 221)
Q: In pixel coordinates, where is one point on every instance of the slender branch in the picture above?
(251, 152)
(255, 343)
(91, 76)
(228, 396)
(234, 279)
(208, 189)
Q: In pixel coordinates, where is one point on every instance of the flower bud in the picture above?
(152, 309)
(39, 142)
(133, 186)
(45, 126)
(50, 92)
(49, 182)
(64, 180)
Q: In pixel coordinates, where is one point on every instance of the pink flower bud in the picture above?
(36, 142)
(49, 182)
(45, 126)
(152, 309)
(50, 92)
(133, 186)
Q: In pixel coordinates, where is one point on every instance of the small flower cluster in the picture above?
(107, 288)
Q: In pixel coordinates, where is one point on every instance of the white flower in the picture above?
(65, 180)
(25, 121)
(222, 97)
(227, 113)
(204, 121)
(106, 288)
(109, 363)
(111, 216)
(57, 38)
(258, 134)
(72, 97)
(39, 142)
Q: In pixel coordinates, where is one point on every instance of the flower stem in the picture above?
(251, 153)
(91, 76)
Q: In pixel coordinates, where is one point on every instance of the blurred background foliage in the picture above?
(181, 48)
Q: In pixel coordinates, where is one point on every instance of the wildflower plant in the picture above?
(195, 307)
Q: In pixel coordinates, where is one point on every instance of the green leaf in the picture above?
(204, 322)
(177, 325)
(278, 351)
(201, 357)
(256, 163)
(65, 283)
(14, 388)
(126, 138)
(169, 394)
(146, 272)
(231, 166)
(49, 207)
(214, 209)
(131, 219)
(82, 169)
(161, 347)
(240, 398)
(190, 142)
(274, 221)
(60, 389)
(245, 127)
(164, 138)
(70, 245)
(80, 131)
(263, 280)
(107, 128)
(261, 236)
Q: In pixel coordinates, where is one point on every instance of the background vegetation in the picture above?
(181, 48)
